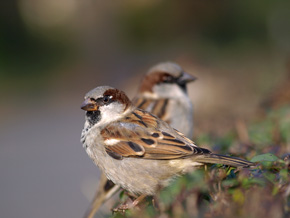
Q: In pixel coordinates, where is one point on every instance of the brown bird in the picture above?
(163, 92)
(137, 150)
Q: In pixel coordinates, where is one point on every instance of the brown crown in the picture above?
(150, 80)
(118, 95)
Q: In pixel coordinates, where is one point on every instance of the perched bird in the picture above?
(136, 149)
(163, 92)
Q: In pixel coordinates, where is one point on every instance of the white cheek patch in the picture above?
(111, 141)
(111, 112)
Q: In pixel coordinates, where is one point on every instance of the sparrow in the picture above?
(136, 149)
(163, 92)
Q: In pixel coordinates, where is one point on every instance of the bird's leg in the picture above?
(155, 203)
(129, 205)
(138, 200)
(131, 195)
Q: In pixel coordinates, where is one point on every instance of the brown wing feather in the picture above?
(142, 102)
(142, 135)
(137, 135)
(154, 106)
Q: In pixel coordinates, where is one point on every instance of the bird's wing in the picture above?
(155, 106)
(143, 135)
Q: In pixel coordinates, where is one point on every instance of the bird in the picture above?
(163, 92)
(136, 149)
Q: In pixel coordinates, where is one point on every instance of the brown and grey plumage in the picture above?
(163, 92)
(136, 149)
(143, 135)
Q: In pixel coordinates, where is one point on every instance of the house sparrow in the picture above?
(162, 92)
(136, 149)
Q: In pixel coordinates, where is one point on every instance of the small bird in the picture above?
(163, 92)
(136, 149)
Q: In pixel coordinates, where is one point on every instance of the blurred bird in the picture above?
(137, 150)
(163, 92)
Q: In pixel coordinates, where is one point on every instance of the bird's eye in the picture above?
(106, 98)
(92, 99)
(167, 78)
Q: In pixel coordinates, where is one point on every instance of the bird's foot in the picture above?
(129, 204)
(122, 208)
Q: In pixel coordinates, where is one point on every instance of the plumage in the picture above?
(163, 92)
(136, 141)
(139, 151)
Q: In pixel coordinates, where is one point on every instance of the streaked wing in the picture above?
(143, 135)
(154, 106)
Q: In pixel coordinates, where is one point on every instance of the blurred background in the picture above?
(53, 52)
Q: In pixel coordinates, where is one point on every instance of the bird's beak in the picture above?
(89, 105)
(186, 78)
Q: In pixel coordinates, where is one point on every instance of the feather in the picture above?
(223, 159)
(142, 135)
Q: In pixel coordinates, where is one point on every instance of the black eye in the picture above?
(106, 98)
(92, 99)
(167, 78)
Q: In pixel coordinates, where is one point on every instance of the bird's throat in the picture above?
(93, 117)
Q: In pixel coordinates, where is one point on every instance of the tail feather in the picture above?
(223, 159)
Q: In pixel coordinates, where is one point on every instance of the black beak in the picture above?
(89, 105)
(186, 78)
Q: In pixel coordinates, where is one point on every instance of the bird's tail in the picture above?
(223, 159)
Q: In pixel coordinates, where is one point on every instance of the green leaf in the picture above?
(246, 183)
(122, 195)
(275, 190)
(230, 182)
(265, 157)
(238, 196)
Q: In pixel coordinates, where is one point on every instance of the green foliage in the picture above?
(264, 157)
